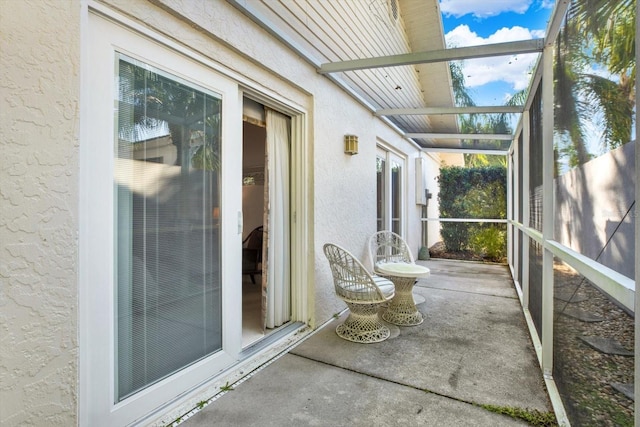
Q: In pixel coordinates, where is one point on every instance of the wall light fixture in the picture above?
(350, 144)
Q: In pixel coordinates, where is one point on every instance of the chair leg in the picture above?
(363, 325)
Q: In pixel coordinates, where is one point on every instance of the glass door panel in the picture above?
(167, 175)
(381, 192)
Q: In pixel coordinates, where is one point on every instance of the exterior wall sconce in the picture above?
(350, 144)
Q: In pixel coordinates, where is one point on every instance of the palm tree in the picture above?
(570, 111)
(612, 27)
(600, 33)
(192, 118)
(476, 123)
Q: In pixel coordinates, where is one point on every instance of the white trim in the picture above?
(385, 146)
(526, 214)
(428, 111)
(547, 211)
(557, 20)
(614, 284)
(439, 55)
(517, 261)
(84, 189)
(549, 382)
(510, 197)
(533, 85)
(389, 154)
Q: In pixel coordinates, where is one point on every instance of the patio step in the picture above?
(607, 346)
(624, 388)
(582, 315)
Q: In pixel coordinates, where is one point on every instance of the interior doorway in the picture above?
(266, 290)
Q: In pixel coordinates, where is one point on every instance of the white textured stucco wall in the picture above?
(39, 77)
(344, 186)
(39, 171)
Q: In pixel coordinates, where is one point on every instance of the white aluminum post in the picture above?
(510, 208)
(637, 217)
(547, 211)
(526, 198)
(516, 203)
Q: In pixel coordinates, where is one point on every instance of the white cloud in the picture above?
(463, 36)
(512, 69)
(539, 34)
(483, 8)
(600, 71)
(547, 4)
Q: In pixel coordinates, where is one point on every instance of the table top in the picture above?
(402, 269)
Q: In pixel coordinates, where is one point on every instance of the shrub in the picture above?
(490, 240)
(478, 192)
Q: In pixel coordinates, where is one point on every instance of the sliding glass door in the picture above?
(161, 224)
(167, 163)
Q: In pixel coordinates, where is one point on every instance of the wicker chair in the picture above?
(362, 292)
(387, 246)
(252, 253)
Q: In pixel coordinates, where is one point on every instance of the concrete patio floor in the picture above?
(473, 348)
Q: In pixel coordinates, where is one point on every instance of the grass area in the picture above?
(531, 416)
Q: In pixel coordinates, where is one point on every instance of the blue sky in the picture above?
(477, 22)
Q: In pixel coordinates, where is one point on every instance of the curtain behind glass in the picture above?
(168, 312)
(277, 292)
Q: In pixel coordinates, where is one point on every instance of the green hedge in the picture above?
(478, 192)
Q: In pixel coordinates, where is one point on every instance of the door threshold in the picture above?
(269, 339)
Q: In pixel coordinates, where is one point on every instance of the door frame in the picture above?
(96, 406)
(106, 32)
(301, 258)
(389, 156)
(99, 405)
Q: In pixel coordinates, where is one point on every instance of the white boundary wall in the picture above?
(593, 202)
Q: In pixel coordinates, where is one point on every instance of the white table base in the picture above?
(402, 309)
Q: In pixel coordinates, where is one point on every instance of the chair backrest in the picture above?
(387, 246)
(351, 279)
(254, 239)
